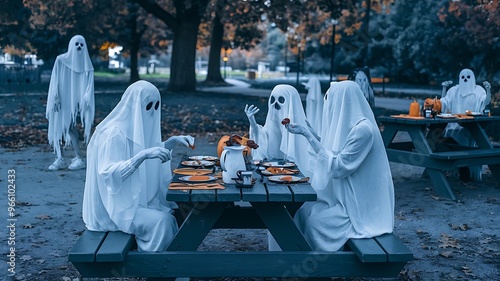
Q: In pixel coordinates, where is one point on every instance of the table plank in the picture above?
(278, 192)
(303, 193)
(257, 193)
(229, 194)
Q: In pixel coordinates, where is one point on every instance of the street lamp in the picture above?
(332, 55)
(298, 59)
(225, 59)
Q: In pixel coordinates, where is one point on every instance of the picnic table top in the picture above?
(461, 118)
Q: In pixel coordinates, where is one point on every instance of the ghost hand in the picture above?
(57, 104)
(295, 128)
(182, 140)
(156, 153)
(487, 85)
(446, 83)
(250, 111)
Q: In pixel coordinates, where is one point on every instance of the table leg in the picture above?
(388, 134)
(279, 222)
(199, 221)
(495, 171)
(440, 183)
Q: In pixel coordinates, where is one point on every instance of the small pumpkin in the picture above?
(233, 139)
(434, 103)
(414, 108)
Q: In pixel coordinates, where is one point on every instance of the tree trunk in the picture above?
(182, 72)
(135, 42)
(213, 75)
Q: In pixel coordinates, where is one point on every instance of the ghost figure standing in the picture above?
(70, 95)
(314, 103)
(352, 176)
(460, 98)
(362, 77)
(127, 165)
(274, 140)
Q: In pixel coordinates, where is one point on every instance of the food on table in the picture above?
(414, 109)
(200, 178)
(285, 121)
(287, 178)
(192, 147)
(236, 140)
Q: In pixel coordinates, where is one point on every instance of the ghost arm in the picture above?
(88, 107)
(53, 99)
(250, 111)
(487, 87)
(307, 132)
(345, 162)
(116, 166)
(311, 129)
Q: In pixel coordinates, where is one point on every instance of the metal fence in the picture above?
(18, 75)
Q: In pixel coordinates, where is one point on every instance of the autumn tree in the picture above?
(470, 36)
(183, 21)
(235, 24)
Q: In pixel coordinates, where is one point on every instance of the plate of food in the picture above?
(446, 115)
(198, 163)
(204, 157)
(283, 164)
(202, 178)
(473, 113)
(278, 171)
(284, 178)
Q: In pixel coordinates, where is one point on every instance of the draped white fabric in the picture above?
(71, 92)
(352, 175)
(274, 140)
(365, 85)
(459, 98)
(134, 204)
(464, 96)
(314, 103)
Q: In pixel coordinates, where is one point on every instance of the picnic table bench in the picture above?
(427, 150)
(264, 206)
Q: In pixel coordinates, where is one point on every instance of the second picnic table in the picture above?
(426, 133)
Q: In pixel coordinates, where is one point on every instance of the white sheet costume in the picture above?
(314, 103)
(274, 140)
(71, 94)
(362, 77)
(459, 98)
(352, 175)
(119, 195)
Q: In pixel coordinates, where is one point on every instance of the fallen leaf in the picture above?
(421, 232)
(44, 217)
(462, 227)
(26, 258)
(446, 254)
(27, 226)
(436, 198)
(449, 242)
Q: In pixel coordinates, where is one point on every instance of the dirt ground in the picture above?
(451, 240)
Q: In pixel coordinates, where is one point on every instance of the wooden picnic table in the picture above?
(266, 205)
(427, 149)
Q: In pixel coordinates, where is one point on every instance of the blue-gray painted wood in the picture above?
(115, 247)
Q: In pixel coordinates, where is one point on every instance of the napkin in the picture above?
(192, 171)
(195, 186)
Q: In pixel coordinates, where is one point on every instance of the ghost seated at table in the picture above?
(273, 139)
(352, 176)
(128, 167)
(70, 95)
(314, 103)
(466, 96)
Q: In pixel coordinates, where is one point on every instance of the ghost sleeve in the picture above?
(88, 110)
(53, 96)
(357, 146)
(114, 164)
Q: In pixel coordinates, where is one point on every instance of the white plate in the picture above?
(207, 158)
(278, 164)
(197, 178)
(446, 115)
(284, 178)
(473, 113)
(198, 163)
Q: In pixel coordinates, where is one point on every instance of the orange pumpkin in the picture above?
(434, 103)
(223, 142)
(414, 108)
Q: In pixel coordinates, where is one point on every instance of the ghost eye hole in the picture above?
(273, 99)
(468, 76)
(150, 104)
(157, 104)
(76, 44)
(463, 77)
(281, 99)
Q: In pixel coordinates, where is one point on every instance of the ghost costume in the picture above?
(274, 140)
(362, 78)
(71, 93)
(314, 103)
(117, 195)
(459, 98)
(352, 176)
